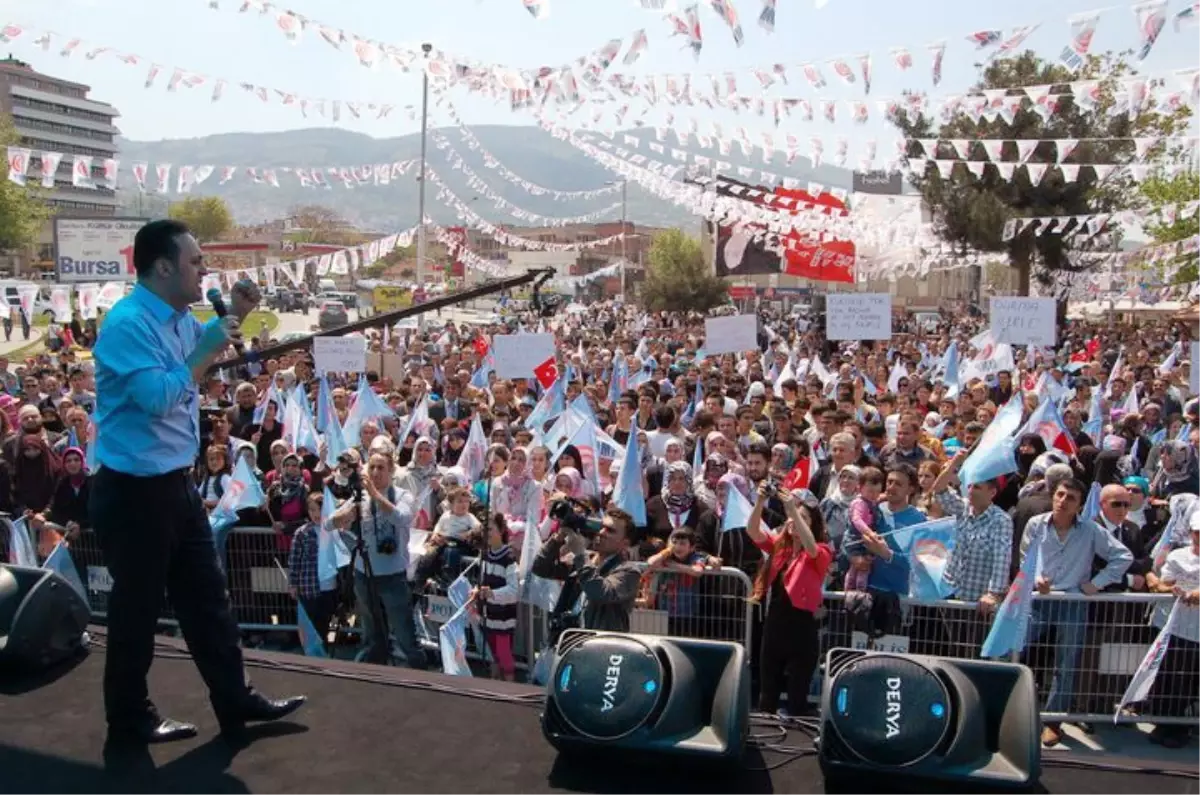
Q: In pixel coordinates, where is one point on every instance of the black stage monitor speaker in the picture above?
(931, 717)
(42, 618)
(643, 693)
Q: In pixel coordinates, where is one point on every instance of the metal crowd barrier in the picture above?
(713, 605)
(1092, 644)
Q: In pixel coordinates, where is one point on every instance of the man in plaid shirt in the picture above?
(979, 564)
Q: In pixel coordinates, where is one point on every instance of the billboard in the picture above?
(95, 249)
(737, 253)
(886, 183)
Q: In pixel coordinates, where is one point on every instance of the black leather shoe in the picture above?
(257, 709)
(164, 730)
(261, 708)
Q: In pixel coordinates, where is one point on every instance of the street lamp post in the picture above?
(624, 261)
(425, 48)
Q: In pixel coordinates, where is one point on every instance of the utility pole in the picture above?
(425, 48)
(624, 196)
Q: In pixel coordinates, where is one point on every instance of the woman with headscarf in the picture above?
(68, 509)
(835, 508)
(1177, 472)
(35, 474)
(705, 486)
(420, 479)
(514, 494)
(783, 458)
(287, 499)
(1029, 447)
(674, 507)
(732, 546)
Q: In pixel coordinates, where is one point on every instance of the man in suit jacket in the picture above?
(451, 405)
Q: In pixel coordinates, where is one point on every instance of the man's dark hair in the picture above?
(908, 471)
(664, 416)
(154, 241)
(759, 448)
(1072, 484)
(627, 523)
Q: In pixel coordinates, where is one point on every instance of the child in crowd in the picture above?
(497, 597)
(454, 525)
(865, 516)
(319, 599)
(673, 578)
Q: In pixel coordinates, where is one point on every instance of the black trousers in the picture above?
(790, 648)
(320, 609)
(156, 540)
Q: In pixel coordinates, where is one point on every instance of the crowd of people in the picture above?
(834, 447)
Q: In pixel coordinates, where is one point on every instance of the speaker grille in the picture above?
(889, 710)
(608, 686)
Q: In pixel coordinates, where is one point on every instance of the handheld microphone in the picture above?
(218, 305)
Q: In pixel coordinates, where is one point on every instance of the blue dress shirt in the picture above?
(147, 405)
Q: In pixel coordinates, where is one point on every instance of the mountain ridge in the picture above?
(529, 152)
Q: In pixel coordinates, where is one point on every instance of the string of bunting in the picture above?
(190, 79)
(26, 165)
(492, 162)
(1036, 172)
(498, 233)
(562, 83)
(478, 184)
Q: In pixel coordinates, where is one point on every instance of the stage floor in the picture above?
(392, 731)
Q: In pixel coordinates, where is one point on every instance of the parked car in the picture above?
(288, 301)
(331, 315)
(348, 300)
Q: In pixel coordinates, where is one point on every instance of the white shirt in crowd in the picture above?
(1182, 567)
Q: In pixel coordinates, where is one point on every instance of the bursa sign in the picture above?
(95, 249)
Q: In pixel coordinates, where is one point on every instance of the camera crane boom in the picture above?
(537, 277)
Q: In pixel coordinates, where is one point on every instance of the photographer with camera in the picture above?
(603, 576)
(379, 517)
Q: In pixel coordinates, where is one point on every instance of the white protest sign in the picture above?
(730, 334)
(518, 354)
(340, 354)
(1024, 321)
(858, 316)
(1194, 369)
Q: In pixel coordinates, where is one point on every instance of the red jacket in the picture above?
(804, 575)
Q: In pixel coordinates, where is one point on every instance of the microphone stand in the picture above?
(378, 614)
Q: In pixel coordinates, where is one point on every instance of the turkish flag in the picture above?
(481, 346)
(830, 261)
(546, 373)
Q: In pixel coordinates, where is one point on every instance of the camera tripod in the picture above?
(378, 614)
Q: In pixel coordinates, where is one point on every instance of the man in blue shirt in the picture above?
(150, 356)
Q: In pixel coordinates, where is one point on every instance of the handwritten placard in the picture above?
(518, 354)
(1024, 321)
(1194, 368)
(340, 354)
(734, 334)
(858, 316)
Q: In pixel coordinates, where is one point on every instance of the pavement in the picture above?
(18, 340)
(1120, 744)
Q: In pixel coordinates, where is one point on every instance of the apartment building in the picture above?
(55, 115)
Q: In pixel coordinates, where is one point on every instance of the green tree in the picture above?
(207, 216)
(678, 278)
(22, 213)
(971, 211)
(1168, 193)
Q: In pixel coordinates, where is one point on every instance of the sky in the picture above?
(248, 47)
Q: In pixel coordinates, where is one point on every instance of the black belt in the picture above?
(174, 473)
